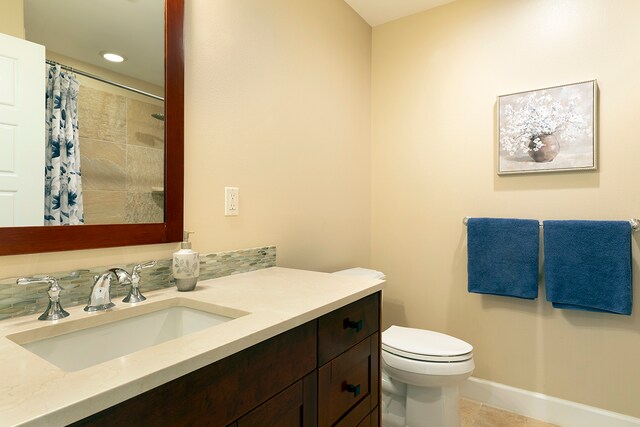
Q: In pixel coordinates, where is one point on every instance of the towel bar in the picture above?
(634, 222)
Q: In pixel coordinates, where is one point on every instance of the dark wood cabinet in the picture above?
(293, 407)
(323, 373)
(349, 359)
(349, 383)
(346, 326)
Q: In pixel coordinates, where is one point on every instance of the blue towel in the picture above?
(587, 265)
(503, 256)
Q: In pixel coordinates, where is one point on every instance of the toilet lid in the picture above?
(420, 344)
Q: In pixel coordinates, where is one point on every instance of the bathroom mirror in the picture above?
(33, 239)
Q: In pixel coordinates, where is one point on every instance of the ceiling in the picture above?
(377, 12)
(81, 29)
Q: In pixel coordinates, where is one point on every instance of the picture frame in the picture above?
(548, 130)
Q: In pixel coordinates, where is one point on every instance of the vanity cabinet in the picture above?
(349, 364)
(322, 373)
(293, 407)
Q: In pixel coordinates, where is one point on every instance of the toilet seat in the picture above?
(423, 373)
(423, 345)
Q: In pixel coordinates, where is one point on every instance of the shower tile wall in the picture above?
(122, 158)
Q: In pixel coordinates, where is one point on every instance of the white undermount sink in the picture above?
(78, 344)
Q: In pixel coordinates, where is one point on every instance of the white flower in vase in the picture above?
(536, 116)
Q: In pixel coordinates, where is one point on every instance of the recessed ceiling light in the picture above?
(112, 57)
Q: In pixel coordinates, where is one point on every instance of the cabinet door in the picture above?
(293, 407)
(348, 386)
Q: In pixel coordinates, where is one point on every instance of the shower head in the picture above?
(158, 116)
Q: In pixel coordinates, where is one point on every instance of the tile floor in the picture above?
(476, 414)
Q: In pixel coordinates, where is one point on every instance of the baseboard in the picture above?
(542, 407)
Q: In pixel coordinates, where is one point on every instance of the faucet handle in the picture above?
(54, 310)
(134, 294)
(137, 269)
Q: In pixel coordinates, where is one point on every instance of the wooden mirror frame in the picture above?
(27, 240)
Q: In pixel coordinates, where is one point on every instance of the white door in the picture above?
(22, 123)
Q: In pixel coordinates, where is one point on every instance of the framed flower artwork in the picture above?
(548, 130)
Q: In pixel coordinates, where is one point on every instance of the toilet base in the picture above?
(437, 407)
(405, 405)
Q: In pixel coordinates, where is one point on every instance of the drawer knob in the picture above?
(357, 325)
(355, 389)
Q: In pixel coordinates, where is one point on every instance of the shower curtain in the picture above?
(63, 180)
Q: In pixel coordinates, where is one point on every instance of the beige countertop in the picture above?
(35, 392)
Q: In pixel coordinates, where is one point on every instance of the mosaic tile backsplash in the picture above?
(18, 300)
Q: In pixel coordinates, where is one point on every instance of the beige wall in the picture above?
(435, 79)
(12, 18)
(277, 103)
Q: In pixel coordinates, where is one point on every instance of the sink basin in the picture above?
(79, 344)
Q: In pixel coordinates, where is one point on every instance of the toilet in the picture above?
(421, 372)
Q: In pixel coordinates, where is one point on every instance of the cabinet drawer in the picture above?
(340, 329)
(293, 407)
(372, 420)
(375, 418)
(366, 422)
(345, 384)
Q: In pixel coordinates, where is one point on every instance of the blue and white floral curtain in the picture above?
(63, 183)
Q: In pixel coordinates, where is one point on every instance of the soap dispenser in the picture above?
(186, 265)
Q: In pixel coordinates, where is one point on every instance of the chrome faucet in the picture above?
(134, 293)
(54, 310)
(100, 297)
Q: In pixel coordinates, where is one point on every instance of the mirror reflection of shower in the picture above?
(139, 157)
